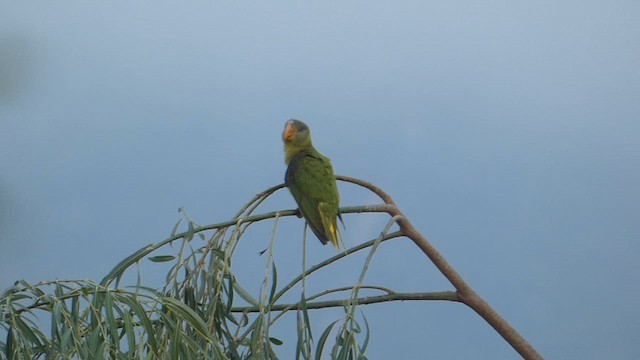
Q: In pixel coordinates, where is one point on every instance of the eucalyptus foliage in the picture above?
(192, 316)
(202, 311)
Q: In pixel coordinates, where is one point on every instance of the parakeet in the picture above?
(311, 181)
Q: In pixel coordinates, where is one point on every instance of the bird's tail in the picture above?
(330, 225)
(335, 236)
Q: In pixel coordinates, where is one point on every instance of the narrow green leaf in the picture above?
(101, 351)
(112, 328)
(305, 312)
(134, 305)
(94, 339)
(229, 291)
(58, 290)
(117, 272)
(175, 228)
(27, 332)
(128, 330)
(15, 297)
(174, 345)
(162, 258)
(256, 335)
(302, 345)
(366, 339)
(75, 310)
(323, 339)
(36, 291)
(55, 320)
(66, 344)
(190, 232)
(96, 301)
(190, 298)
(190, 316)
(274, 282)
(10, 347)
(245, 295)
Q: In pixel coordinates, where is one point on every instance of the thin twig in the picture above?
(424, 296)
(117, 271)
(328, 261)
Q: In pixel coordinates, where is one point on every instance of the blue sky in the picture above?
(509, 133)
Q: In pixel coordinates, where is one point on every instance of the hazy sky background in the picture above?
(508, 132)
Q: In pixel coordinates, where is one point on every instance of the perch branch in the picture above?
(467, 295)
(143, 252)
(440, 295)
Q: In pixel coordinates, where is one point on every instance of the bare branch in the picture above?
(424, 296)
(466, 293)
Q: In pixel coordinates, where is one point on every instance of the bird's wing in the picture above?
(312, 183)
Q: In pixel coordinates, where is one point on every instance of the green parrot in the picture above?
(311, 181)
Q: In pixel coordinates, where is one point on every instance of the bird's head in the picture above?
(296, 133)
(296, 137)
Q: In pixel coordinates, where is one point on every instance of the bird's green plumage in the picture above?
(311, 181)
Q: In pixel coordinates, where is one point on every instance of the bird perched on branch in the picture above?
(311, 181)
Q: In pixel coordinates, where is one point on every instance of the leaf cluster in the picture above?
(203, 312)
(193, 315)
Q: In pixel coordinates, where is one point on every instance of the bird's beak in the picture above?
(289, 133)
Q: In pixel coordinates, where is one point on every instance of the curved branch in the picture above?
(365, 184)
(143, 252)
(328, 261)
(434, 296)
(327, 292)
(466, 293)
